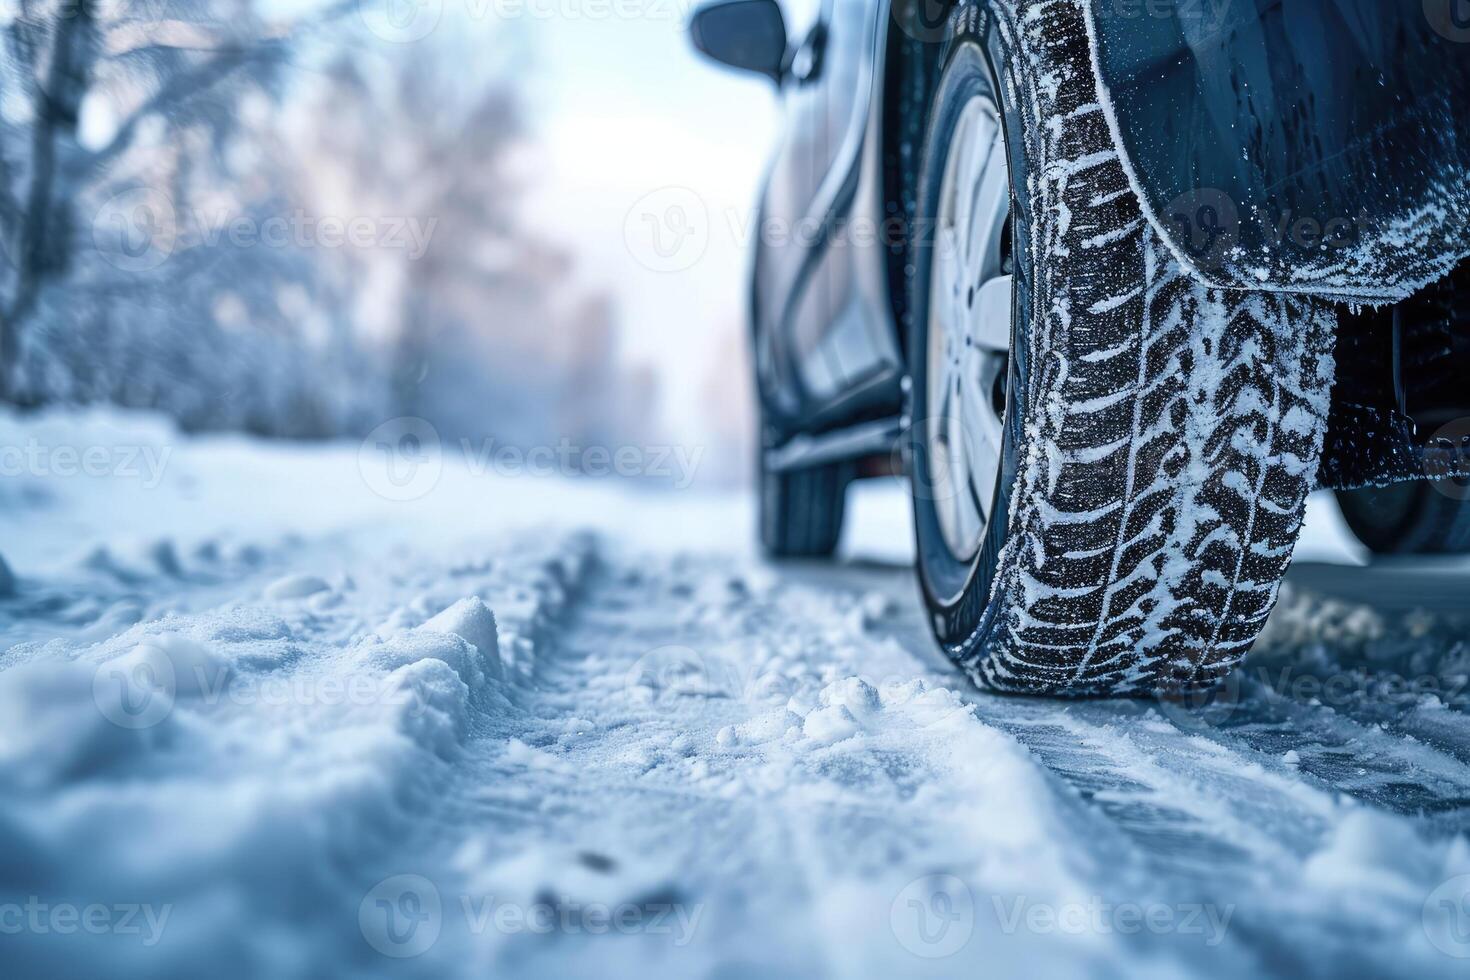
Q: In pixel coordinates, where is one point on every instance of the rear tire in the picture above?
(1408, 519)
(1159, 438)
(801, 510)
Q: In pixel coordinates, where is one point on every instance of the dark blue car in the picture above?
(1118, 283)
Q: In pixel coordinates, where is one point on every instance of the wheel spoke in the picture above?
(990, 321)
(983, 433)
(967, 516)
(969, 170)
(992, 208)
(987, 213)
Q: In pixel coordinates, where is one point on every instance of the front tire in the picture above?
(1159, 438)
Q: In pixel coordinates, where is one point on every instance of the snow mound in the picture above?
(472, 621)
(202, 759)
(57, 729)
(295, 587)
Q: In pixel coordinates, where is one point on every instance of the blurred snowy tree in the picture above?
(490, 341)
(284, 228)
(124, 125)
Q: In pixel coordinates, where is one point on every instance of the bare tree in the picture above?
(489, 335)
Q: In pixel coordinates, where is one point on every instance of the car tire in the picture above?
(1159, 438)
(801, 510)
(1416, 518)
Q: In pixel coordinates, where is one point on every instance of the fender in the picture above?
(1311, 146)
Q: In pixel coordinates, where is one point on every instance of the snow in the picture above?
(257, 720)
(294, 587)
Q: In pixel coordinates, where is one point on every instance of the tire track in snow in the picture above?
(736, 786)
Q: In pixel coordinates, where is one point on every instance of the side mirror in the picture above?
(745, 34)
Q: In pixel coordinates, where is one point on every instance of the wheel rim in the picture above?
(969, 336)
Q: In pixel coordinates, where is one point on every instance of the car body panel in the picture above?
(1315, 146)
(825, 341)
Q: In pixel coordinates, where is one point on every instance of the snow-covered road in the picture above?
(261, 715)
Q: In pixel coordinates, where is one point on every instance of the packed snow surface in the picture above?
(259, 718)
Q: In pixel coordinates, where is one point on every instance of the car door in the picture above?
(809, 351)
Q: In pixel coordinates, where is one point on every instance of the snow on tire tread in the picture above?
(1172, 430)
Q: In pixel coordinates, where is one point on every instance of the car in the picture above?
(1117, 284)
